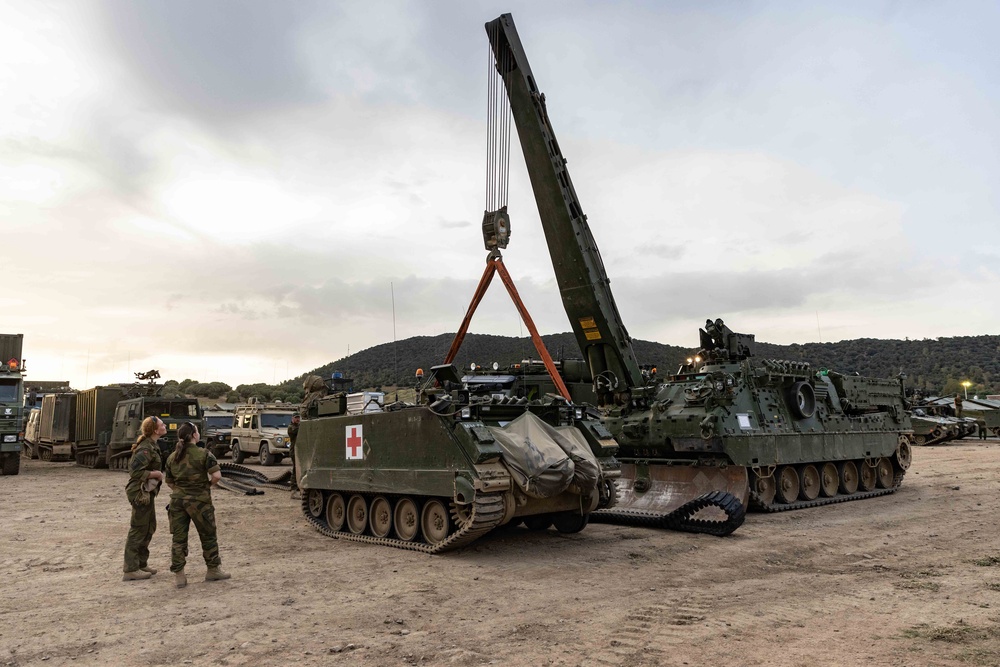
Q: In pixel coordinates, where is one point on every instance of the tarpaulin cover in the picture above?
(545, 460)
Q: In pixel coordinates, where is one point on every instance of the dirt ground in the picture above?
(908, 579)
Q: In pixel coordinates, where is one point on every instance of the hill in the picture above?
(935, 366)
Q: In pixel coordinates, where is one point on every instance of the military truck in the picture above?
(261, 429)
(218, 435)
(11, 402)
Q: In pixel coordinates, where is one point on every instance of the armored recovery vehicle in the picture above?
(730, 426)
(436, 475)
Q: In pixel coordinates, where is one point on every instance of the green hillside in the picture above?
(933, 365)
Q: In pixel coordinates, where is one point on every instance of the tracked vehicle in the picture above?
(729, 425)
(438, 474)
(109, 418)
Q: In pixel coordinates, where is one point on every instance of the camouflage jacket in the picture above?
(189, 477)
(145, 459)
(293, 432)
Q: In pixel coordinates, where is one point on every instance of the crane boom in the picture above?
(583, 283)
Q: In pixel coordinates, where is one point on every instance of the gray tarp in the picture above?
(545, 460)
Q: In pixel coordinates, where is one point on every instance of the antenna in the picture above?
(395, 368)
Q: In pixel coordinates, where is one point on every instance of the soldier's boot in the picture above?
(180, 579)
(216, 574)
(136, 575)
(151, 570)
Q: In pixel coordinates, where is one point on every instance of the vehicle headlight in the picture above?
(10, 438)
(466, 413)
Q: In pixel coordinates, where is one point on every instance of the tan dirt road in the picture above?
(908, 579)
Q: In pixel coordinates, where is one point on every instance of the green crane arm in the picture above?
(583, 282)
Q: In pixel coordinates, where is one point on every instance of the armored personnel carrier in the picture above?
(436, 475)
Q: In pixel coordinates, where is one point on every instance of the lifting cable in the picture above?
(498, 122)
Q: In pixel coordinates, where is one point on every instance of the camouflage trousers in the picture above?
(202, 514)
(140, 533)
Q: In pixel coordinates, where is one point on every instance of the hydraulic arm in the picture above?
(583, 282)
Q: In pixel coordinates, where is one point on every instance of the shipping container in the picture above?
(58, 419)
(95, 413)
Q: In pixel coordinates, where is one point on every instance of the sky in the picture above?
(242, 191)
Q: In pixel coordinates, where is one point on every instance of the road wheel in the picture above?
(314, 501)
(764, 487)
(570, 522)
(357, 514)
(848, 472)
(866, 477)
(904, 454)
(809, 485)
(787, 485)
(336, 512)
(406, 520)
(238, 455)
(538, 521)
(883, 473)
(434, 522)
(380, 517)
(829, 480)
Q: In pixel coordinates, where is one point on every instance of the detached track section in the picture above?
(241, 479)
(682, 518)
(486, 514)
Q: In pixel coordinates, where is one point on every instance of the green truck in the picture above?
(11, 402)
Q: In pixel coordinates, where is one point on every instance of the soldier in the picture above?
(293, 433)
(191, 473)
(144, 465)
(958, 405)
(315, 390)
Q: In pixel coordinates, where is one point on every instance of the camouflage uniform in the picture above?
(190, 501)
(315, 389)
(958, 406)
(145, 459)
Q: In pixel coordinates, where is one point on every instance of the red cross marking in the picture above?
(353, 441)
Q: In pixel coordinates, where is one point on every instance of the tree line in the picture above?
(932, 366)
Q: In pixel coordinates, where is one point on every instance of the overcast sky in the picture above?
(240, 190)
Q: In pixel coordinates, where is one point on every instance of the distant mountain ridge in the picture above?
(936, 366)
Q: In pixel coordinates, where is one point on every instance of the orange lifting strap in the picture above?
(494, 264)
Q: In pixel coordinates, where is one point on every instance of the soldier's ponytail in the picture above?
(146, 430)
(185, 436)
